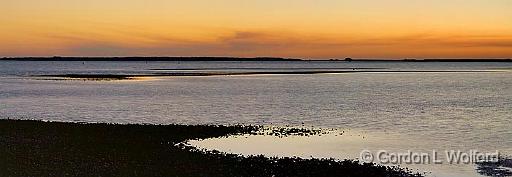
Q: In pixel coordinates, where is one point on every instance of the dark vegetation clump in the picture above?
(97, 77)
(503, 167)
(291, 131)
(35, 148)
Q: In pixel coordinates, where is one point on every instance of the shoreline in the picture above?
(245, 59)
(107, 77)
(37, 148)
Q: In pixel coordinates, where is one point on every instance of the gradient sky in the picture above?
(247, 28)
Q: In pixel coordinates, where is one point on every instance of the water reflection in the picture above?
(409, 109)
(338, 144)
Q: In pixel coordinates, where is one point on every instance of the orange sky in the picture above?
(247, 28)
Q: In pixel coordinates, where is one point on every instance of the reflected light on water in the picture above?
(339, 145)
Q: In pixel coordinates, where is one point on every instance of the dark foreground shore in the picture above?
(35, 148)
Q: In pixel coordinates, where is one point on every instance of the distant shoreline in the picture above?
(240, 59)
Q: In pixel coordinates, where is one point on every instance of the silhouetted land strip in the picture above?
(163, 74)
(242, 59)
(301, 72)
(34, 148)
(435, 60)
(150, 59)
(212, 69)
(461, 60)
(97, 76)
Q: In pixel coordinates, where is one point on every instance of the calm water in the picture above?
(395, 111)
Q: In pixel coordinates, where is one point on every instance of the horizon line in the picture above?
(233, 58)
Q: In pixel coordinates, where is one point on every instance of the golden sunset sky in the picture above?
(248, 28)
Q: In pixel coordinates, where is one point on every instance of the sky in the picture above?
(314, 29)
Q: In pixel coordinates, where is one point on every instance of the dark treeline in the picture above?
(149, 59)
(443, 60)
(58, 58)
